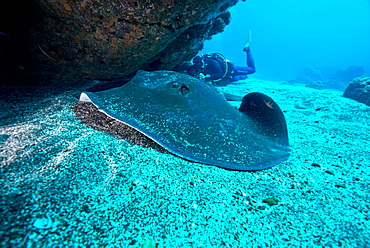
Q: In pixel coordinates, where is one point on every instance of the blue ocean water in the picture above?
(289, 35)
(66, 184)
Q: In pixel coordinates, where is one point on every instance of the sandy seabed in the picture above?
(64, 184)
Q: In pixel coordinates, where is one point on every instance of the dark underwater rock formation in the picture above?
(315, 85)
(311, 78)
(311, 74)
(105, 39)
(343, 77)
(359, 90)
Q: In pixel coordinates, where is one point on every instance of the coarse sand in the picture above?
(64, 184)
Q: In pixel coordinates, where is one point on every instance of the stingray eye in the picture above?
(184, 90)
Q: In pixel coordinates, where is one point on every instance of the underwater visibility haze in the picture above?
(289, 35)
(163, 159)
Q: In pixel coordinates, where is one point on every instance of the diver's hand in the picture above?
(208, 79)
(201, 76)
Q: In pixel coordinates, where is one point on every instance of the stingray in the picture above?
(191, 119)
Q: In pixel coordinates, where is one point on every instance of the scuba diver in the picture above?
(214, 67)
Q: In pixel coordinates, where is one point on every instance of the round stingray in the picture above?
(192, 120)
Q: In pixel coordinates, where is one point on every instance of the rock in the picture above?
(311, 78)
(86, 208)
(333, 79)
(149, 244)
(359, 90)
(329, 172)
(348, 74)
(271, 201)
(315, 85)
(261, 208)
(343, 77)
(311, 74)
(303, 79)
(43, 223)
(315, 165)
(101, 39)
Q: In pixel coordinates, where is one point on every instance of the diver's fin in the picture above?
(267, 116)
(248, 43)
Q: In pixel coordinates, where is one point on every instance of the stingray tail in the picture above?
(267, 115)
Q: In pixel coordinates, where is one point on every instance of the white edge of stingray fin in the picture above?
(84, 98)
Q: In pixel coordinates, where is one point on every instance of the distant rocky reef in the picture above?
(104, 39)
(328, 78)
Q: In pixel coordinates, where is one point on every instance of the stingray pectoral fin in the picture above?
(267, 115)
(232, 97)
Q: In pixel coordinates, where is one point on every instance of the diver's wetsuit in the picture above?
(213, 68)
(241, 72)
